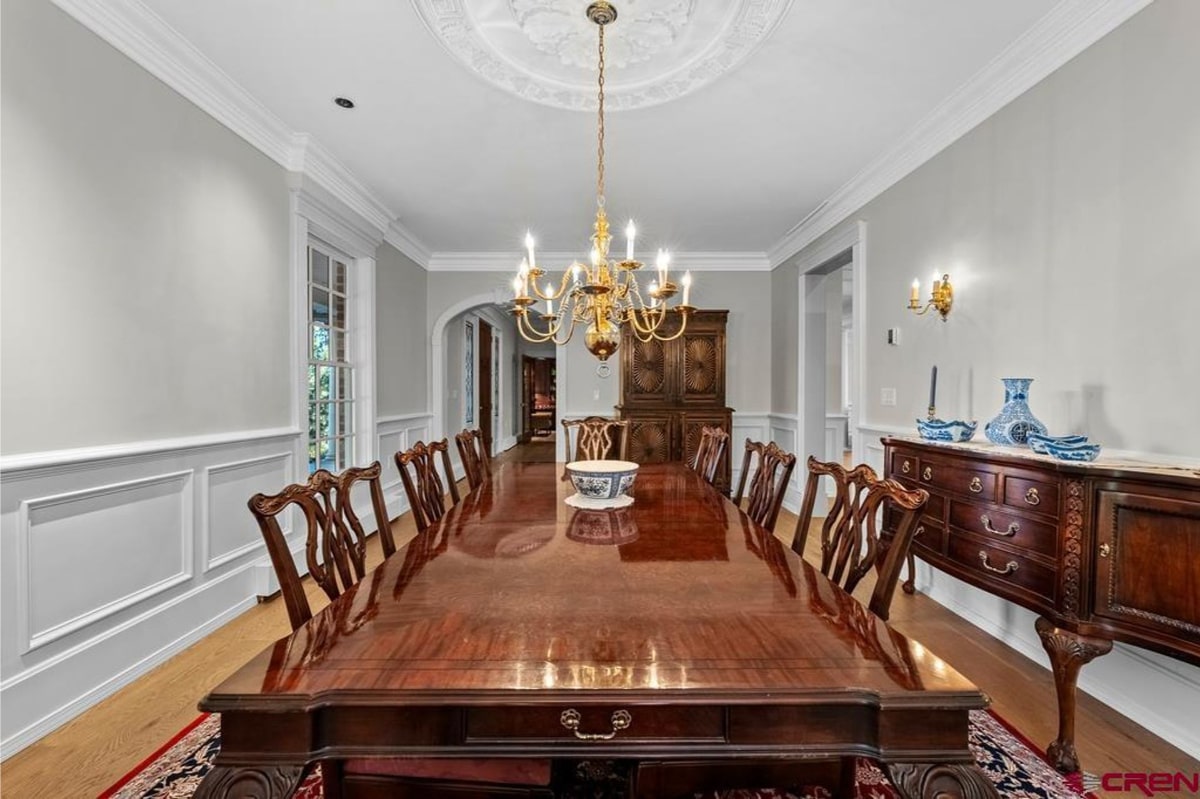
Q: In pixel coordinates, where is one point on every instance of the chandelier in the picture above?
(602, 294)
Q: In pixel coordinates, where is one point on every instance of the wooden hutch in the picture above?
(671, 389)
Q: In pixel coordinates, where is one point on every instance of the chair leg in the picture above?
(847, 779)
(331, 779)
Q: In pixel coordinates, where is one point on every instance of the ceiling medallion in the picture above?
(542, 50)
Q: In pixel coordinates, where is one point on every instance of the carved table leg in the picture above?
(252, 782)
(933, 781)
(909, 586)
(1068, 653)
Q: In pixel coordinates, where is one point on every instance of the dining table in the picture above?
(674, 629)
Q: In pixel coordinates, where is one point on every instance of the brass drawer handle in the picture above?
(1009, 567)
(1031, 496)
(976, 485)
(1013, 527)
(906, 467)
(571, 718)
(927, 474)
(1105, 550)
(920, 530)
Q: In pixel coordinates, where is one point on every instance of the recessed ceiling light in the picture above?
(344, 102)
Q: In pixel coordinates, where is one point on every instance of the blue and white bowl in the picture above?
(941, 430)
(602, 479)
(1037, 441)
(1073, 452)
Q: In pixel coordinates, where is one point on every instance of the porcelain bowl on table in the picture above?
(1073, 452)
(1037, 441)
(602, 480)
(946, 430)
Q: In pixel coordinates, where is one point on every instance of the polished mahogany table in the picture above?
(519, 626)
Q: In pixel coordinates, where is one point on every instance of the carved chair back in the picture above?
(476, 461)
(335, 546)
(710, 453)
(769, 483)
(425, 489)
(850, 541)
(597, 438)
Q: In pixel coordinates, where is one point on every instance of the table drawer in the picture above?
(1002, 568)
(975, 483)
(594, 723)
(905, 464)
(996, 524)
(1039, 496)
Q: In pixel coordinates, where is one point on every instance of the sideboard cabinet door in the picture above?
(1147, 559)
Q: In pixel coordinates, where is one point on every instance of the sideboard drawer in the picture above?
(994, 524)
(1003, 568)
(1038, 496)
(975, 483)
(905, 464)
(594, 723)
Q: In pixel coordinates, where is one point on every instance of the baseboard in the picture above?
(1111, 679)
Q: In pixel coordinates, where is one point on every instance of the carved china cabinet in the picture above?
(672, 389)
(1103, 551)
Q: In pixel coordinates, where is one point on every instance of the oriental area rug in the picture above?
(1006, 757)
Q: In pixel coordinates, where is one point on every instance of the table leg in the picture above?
(252, 782)
(1068, 653)
(939, 781)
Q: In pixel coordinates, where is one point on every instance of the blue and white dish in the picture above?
(605, 480)
(1038, 442)
(942, 430)
(1073, 452)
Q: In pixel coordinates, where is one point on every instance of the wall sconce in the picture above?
(941, 297)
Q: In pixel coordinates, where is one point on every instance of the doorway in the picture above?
(539, 397)
(485, 369)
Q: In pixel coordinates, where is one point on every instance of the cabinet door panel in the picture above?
(646, 377)
(702, 369)
(1148, 561)
(650, 438)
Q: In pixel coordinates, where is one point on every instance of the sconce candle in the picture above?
(914, 299)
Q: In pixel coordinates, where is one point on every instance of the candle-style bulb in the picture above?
(914, 298)
(630, 232)
(687, 287)
(529, 248)
(523, 269)
(516, 284)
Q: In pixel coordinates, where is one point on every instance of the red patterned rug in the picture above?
(1006, 757)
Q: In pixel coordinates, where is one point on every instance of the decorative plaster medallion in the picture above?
(656, 51)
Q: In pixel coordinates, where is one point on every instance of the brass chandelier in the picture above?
(602, 294)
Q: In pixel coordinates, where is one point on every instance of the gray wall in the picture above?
(402, 333)
(1067, 222)
(145, 253)
(785, 321)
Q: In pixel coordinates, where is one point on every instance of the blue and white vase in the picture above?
(1015, 422)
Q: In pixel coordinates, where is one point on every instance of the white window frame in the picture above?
(342, 397)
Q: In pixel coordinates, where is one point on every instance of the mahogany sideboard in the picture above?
(1104, 551)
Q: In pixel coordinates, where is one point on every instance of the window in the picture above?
(330, 375)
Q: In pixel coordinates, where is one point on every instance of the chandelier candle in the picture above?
(605, 295)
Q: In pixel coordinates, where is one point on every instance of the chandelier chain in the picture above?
(600, 129)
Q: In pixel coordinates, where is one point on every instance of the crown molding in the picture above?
(557, 261)
(1070, 28)
(145, 38)
(403, 240)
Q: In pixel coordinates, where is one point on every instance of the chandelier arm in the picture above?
(649, 322)
(531, 333)
(678, 333)
(562, 289)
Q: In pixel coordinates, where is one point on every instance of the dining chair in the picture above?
(769, 483)
(426, 492)
(597, 438)
(335, 546)
(710, 453)
(850, 535)
(472, 449)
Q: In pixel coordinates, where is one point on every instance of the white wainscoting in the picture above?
(1155, 691)
(781, 428)
(396, 434)
(114, 558)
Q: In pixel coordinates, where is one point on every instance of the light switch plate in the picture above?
(887, 396)
(893, 336)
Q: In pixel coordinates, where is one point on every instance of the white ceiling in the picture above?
(732, 166)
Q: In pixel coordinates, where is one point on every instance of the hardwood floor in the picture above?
(94, 750)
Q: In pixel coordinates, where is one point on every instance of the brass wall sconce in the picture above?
(941, 297)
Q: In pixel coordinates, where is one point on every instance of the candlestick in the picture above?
(914, 299)
(630, 232)
(687, 287)
(932, 391)
(529, 247)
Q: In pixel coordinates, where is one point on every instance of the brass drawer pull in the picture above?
(1009, 567)
(1031, 496)
(1105, 550)
(976, 485)
(921, 529)
(927, 474)
(906, 467)
(571, 718)
(1013, 527)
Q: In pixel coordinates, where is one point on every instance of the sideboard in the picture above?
(1104, 551)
